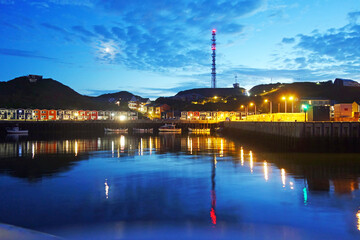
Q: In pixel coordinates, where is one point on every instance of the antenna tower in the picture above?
(213, 68)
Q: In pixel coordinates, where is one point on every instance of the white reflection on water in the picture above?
(251, 161)
(106, 189)
(283, 177)
(221, 147)
(150, 146)
(112, 148)
(189, 143)
(33, 151)
(242, 156)
(67, 146)
(76, 148)
(266, 171)
(122, 143)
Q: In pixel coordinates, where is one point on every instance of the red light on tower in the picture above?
(214, 30)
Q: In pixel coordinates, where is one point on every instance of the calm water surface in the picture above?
(176, 186)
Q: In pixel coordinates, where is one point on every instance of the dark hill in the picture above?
(325, 90)
(211, 92)
(45, 93)
(112, 97)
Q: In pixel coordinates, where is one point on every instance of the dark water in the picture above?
(176, 187)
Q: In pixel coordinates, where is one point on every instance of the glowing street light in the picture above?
(253, 104)
(291, 98)
(284, 99)
(246, 109)
(270, 102)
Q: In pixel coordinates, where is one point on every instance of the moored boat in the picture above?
(169, 128)
(16, 130)
(116, 130)
(143, 130)
(199, 130)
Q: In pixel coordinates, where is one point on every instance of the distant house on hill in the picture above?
(34, 78)
(138, 104)
(346, 83)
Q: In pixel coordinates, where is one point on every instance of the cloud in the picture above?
(55, 28)
(22, 53)
(83, 31)
(288, 40)
(101, 30)
(163, 36)
(353, 16)
(335, 51)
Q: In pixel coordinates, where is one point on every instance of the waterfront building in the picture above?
(60, 114)
(28, 114)
(356, 110)
(11, 114)
(210, 115)
(44, 114)
(67, 115)
(52, 114)
(316, 101)
(133, 103)
(343, 112)
(3, 114)
(36, 114)
(102, 115)
(20, 114)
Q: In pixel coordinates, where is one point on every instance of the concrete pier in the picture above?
(299, 129)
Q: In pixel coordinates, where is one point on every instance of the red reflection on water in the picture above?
(213, 216)
(213, 205)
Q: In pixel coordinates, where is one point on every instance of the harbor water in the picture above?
(176, 186)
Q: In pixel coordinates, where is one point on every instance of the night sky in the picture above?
(157, 48)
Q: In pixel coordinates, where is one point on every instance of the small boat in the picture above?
(199, 130)
(169, 128)
(16, 130)
(143, 130)
(116, 130)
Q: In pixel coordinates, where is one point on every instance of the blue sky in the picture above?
(157, 48)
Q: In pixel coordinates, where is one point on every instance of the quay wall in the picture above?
(299, 129)
(36, 127)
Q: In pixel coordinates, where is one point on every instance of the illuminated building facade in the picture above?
(67, 115)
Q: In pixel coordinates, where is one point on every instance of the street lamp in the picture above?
(291, 98)
(270, 102)
(253, 104)
(284, 99)
(246, 109)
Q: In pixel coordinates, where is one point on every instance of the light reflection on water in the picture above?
(176, 179)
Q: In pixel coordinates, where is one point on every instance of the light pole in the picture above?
(284, 98)
(253, 104)
(291, 98)
(270, 104)
(242, 107)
